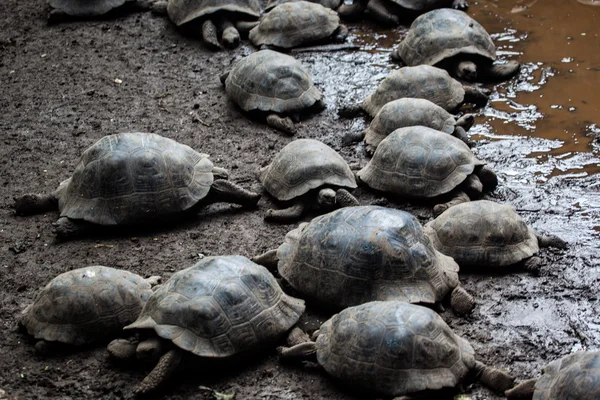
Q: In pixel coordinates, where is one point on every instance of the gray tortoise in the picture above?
(421, 82)
(332, 4)
(210, 17)
(275, 86)
(392, 348)
(86, 305)
(452, 40)
(63, 10)
(218, 308)
(573, 377)
(485, 234)
(305, 169)
(420, 162)
(297, 24)
(135, 178)
(359, 254)
(411, 112)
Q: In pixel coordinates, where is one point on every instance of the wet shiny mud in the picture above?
(60, 95)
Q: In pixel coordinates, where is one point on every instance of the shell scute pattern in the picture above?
(271, 81)
(293, 24)
(86, 8)
(574, 376)
(303, 165)
(393, 348)
(219, 307)
(86, 305)
(483, 233)
(183, 11)
(360, 254)
(423, 82)
(442, 34)
(129, 176)
(419, 162)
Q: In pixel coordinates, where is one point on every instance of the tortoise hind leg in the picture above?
(287, 214)
(381, 13)
(352, 12)
(493, 378)
(159, 375)
(268, 260)
(209, 35)
(35, 203)
(228, 192)
(523, 391)
(458, 197)
(283, 124)
(302, 351)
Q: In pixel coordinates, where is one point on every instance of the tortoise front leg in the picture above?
(458, 197)
(523, 391)
(123, 349)
(460, 4)
(287, 214)
(283, 124)
(159, 375)
(494, 378)
(343, 198)
(340, 34)
(225, 191)
(302, 351)
(244, 27)
(461, 301)
(475, 95)
(352, 12)
(381, 13)
(66, 228)
(268, 260)
(532, 265)
(460, 133)
(209, 35)
(230, 35)
(466, 121)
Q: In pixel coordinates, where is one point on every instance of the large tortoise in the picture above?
(63, 10)
(420, 162)
(421, 82)
(218, 308)
(359, 254)
(135, 178)
(573, 377)
(411, 112)
(86, 305)
(332, 4)
(392, 348)
(296, 24)
(305, 169)
(485, 234)
(274, 85)
(214, 16)
(452, 40)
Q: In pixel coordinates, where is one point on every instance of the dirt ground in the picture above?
(59, 95)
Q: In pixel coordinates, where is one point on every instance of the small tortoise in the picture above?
(218, 308)
(392, 348)
(214, 15)
(86, 305)
(305, 168)
(420, 162)
(273, 84)
(134, 178)
(411, 112)
(393, 12)
(421, 82)
(452, 40)
(486, 234)
(63, 10)
(296, 24)
(359, 254)
(573, 377)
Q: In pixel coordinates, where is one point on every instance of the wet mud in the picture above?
(66, 86)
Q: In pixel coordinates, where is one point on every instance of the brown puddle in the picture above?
(559, 99)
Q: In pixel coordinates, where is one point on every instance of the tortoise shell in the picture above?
(271, 81)
(408, 112)
(483, 233)
(422, 5)
(419, 162)
(333, 4)
(183, 11)
(574, 377)
(422, 82)
(86, 8)
(294, 24)
(393, 348)
(359, 254)
(441, 34)
(219, 307)
(130, 177)
(86, 305)
(303, 165)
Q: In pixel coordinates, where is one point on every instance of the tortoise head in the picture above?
(326, 197)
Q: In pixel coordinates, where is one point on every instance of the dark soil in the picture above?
(59, 95)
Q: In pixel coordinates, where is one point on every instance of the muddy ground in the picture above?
(59, 94)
